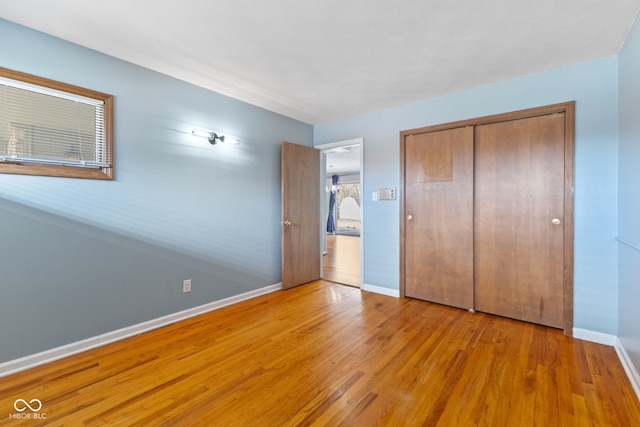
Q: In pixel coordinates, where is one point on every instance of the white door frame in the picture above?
(323, 148)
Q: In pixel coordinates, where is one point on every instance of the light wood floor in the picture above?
(330, 355)
(341, 264)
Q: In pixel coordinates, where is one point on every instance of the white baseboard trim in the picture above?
(593, 336)
(613, 341)
(33, 360)
(627, 364)
(381, 290)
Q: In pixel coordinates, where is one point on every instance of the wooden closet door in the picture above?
(438, 228)
(519, 209)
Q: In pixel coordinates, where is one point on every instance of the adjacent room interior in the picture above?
(341, 260)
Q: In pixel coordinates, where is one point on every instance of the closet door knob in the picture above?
(555, 221)
(409, 217)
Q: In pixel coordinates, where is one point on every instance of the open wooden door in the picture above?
(300, 214)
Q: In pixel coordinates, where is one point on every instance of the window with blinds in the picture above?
(54, 129)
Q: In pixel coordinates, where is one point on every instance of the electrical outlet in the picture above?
(186, 286)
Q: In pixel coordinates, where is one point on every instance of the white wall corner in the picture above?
(381, 290)
(33, 360)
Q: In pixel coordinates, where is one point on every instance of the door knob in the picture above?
(555, 221)
(409, 217)
(286, 223)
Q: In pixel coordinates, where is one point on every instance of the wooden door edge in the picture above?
(569, 170)
(401, 198)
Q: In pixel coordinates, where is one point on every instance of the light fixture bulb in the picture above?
(229, 140)
(200, 133)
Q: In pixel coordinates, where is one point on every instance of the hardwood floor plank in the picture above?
(328, 355)
(341, 263)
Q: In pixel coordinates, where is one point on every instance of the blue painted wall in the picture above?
(79, 258)
(113, 254)
(594, 87)
(629, 196)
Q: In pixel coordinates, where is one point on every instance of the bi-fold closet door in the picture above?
(488, 209)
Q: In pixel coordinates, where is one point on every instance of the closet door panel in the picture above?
(439, 216)
(518, 225)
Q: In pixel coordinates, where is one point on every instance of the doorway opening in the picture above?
(342, 212)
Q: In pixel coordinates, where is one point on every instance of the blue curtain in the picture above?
(331, 220)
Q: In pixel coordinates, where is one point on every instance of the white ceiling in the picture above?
(345, 160)
(321, 60)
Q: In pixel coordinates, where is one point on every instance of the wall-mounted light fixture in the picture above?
(213, 137)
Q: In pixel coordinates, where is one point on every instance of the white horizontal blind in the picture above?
(47, 126)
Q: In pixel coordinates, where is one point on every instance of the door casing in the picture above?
(345, 143)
